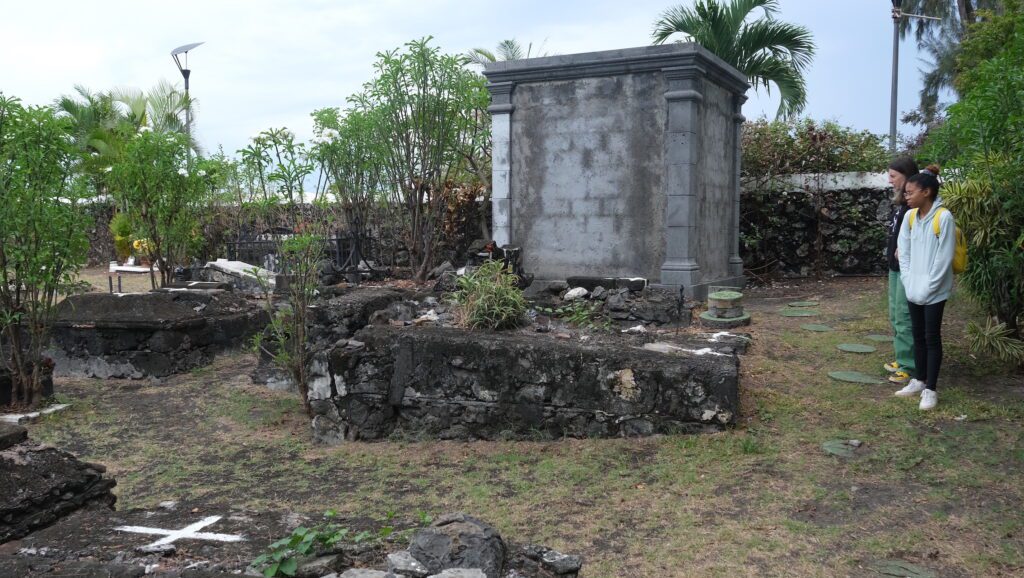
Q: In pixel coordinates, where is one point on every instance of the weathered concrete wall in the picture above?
(621, 163)
(587, 172)
(453, 383)
(715, 212)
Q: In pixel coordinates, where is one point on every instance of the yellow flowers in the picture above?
(142, 246)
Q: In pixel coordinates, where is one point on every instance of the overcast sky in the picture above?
(270, 63)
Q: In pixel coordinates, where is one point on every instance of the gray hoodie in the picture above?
(926, 261)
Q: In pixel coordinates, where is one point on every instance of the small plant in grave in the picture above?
(282, 557)
(488, 298)
(581, 314)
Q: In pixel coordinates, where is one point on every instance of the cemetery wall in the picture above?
(807, 225)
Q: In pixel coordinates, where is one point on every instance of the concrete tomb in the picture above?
(622, 163)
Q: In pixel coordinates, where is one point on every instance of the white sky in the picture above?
(271, 63)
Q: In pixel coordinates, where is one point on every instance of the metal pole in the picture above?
(188, 110)
(895, 77)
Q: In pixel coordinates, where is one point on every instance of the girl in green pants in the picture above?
(902, 368)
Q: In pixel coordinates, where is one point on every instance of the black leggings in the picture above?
(926, 325)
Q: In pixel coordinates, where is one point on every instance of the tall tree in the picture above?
(766, 50)
(940, 41)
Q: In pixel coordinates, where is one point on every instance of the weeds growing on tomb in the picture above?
(488, 298)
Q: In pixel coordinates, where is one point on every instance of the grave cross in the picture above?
(190, 532)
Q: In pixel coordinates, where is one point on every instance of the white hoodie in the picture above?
(926, 261)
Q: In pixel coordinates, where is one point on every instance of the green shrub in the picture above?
(807, 146)
(121, 229)
(489, 299)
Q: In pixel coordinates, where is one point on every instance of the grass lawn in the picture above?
(941, 490)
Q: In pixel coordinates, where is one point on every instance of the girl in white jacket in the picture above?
(926, 270)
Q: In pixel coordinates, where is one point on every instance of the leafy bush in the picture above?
(155, 177)
(489, 299)
(121, 229)
(808, 146)
(42, 237)
(982, 152)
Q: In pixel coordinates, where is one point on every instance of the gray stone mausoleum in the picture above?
(622, 163)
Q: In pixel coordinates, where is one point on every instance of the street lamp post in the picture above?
(897, 15)
(185, 72)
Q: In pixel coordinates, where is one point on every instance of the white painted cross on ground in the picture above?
(190, 532)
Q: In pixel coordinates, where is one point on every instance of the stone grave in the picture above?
(40, 485)
(450, 383)
(622, 163)
(152, 334)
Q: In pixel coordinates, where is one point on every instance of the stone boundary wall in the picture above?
(815, 225)
(452, 383)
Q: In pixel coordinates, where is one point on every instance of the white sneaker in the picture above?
(929, 398)
(914, 387)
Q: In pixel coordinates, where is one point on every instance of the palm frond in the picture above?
(765, 69)
(510, 50)
(784, 40)
(481, 56)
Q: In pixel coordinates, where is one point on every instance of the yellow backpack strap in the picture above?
(935, 220)
(913, 213)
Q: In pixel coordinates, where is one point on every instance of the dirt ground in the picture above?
(940, 491)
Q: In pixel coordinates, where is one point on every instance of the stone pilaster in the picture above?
(682, 175)
(735, 262)
(501, 160)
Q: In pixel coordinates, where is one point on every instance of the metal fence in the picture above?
(347, 251)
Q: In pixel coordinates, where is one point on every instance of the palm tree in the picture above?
(160, 109)
(766, 50)
(940, 40)
(96, 129)
(507, 50)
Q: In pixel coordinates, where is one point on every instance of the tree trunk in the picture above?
(965, 8)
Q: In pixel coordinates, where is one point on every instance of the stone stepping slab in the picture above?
(856, 348)
(818, 327)
(804, 304)
(879, 338)
(901, 568)
(854, 377)
(797, 312)
(841, 448)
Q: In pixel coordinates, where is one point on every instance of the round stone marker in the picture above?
(709, 320)
(804, 304)
(879, 338)
(856, 348)
(795, 312)
(853, 377)
(816, 327)
(725, 295)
